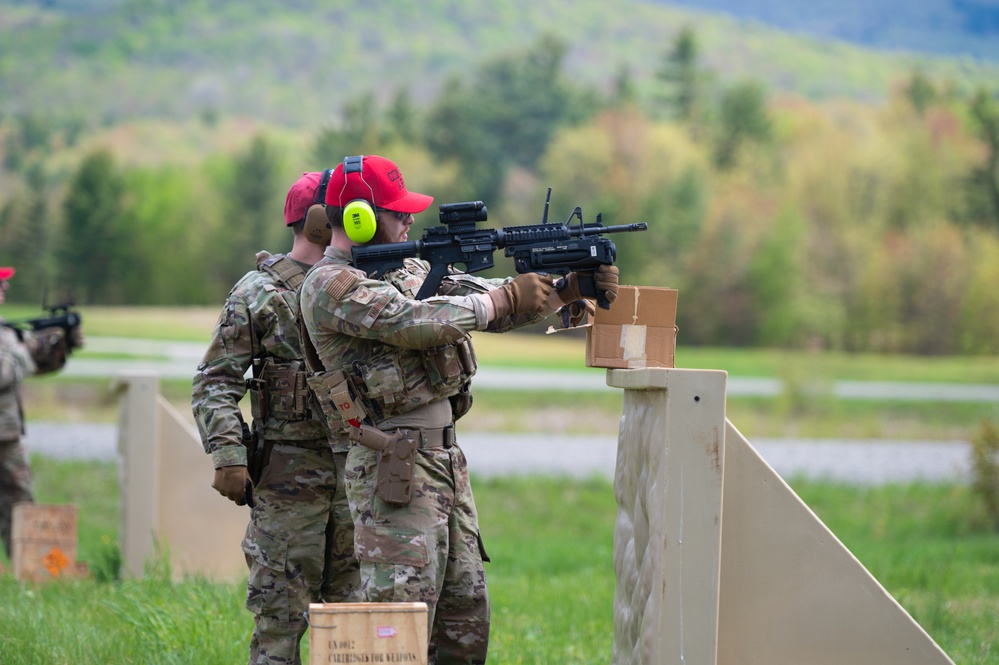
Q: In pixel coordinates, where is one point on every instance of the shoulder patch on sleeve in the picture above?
(341, 284)
(374, 310)
(363, 295)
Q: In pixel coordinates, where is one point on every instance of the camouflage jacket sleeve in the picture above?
(15, 359)
(459, 283)
(339, 299)
(15, 364)
(219, 383)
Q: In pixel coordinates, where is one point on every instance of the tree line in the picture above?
(782, 221)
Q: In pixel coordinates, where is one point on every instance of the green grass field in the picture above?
(551, 539)
(551, 577)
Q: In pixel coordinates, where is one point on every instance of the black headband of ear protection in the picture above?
(320, 196)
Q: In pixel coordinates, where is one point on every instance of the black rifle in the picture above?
(543, 248)
(60, 316)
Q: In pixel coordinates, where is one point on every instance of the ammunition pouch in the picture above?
(402, 380)
(461, 402)
(278, 390)
(450, 367)
(335, 399)
(380, 388)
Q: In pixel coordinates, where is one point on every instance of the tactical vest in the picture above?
(394, 380)
(278, 388)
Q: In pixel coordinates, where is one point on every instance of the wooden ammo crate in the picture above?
(43, 540)
(367, 633)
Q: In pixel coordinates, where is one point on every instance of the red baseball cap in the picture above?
(301, 197)
(6, 272)
(379, 181)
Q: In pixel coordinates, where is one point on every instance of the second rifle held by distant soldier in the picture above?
(557, 248)
(55, 336)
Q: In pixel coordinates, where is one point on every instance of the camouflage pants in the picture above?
(15, 485)
(298, 546)
(427, 551)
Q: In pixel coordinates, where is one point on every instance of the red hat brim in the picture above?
(6, 272)
(411, 202)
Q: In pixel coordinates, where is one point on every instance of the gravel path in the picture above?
(856, 461)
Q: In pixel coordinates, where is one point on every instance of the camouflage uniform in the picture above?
(15, 474)
(409, 363)
(299, 542)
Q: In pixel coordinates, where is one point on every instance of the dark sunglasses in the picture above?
(399, 216)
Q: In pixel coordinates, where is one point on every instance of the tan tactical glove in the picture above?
(527, 293)
(606, 281)
(230, 482)
(575, 313)
(568, 288)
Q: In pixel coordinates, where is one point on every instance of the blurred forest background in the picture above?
(801, 191)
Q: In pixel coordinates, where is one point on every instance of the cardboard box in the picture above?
(368, 633)
(638, 331)
(43, 540)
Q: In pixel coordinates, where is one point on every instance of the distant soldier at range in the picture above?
(23, 351)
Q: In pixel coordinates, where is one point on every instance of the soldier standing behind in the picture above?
(299, 541)
(401, 368)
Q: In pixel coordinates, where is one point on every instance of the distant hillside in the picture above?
(294, 63)
(945, 27)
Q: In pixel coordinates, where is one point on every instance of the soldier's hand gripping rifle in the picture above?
(543, 248)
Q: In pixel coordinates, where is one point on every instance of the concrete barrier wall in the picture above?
(168, 506)
(718, 561)
(667, 538)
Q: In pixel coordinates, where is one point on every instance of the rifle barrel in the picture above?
(625, 228)
(593, 229)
